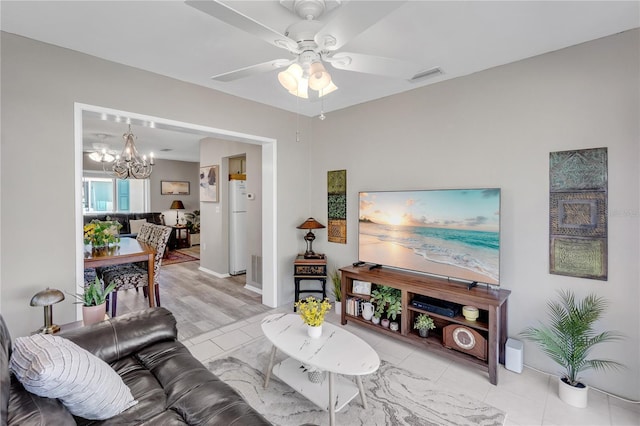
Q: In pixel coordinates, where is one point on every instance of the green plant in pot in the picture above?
(94, 301)
(423, 324)
(193, 221)
(387, 300)
(568, 340)
(336, 279)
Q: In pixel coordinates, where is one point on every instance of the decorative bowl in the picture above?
(470, 313)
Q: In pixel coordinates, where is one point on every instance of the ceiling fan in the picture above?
(313, 43)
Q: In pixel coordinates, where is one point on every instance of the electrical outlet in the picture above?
(203, 246)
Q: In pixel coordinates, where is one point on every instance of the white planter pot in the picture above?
(314, 332)
(574, 396)
(338, 306)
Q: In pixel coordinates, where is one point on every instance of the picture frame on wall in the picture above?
(171, 187)
(209, 182)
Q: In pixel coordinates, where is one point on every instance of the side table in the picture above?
(312, 270)
(180, 236)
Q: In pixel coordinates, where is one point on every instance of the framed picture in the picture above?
(170, 187)
(209, 180)
(361, 287)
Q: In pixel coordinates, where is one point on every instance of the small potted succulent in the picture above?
(94, 301)
(423, 324)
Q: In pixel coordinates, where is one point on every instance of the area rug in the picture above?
(395, 396)
(177, 257)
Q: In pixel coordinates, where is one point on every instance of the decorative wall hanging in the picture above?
(578, 213)
(174, 187)
(337, 206)
(209, 181)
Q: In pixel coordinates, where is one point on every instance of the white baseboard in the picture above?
(253, 289)
(214, 273)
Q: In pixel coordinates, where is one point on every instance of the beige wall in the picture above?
(496, 129)
(40, 85)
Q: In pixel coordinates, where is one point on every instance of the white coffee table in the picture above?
(337, 352)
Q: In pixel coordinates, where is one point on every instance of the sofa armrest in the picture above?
(121, 336)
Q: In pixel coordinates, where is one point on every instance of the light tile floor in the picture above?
(529, 398)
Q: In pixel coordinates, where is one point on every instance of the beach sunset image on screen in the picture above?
(452, 233)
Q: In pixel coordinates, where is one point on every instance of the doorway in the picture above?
(269, 186)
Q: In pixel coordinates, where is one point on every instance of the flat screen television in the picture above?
(452, 233)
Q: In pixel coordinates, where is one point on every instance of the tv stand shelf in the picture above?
(491, 326)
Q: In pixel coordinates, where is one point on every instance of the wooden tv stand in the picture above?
(491, 325)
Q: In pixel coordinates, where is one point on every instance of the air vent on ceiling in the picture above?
(432, 72)
(166, 149)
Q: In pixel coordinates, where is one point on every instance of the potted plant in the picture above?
(387, 300)
(193, 225)
(312, 311)
(336, 279)
(101, 233)
(569, 338)
(94, 301)
(423, 324)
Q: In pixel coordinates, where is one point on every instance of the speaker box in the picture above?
(513, 357)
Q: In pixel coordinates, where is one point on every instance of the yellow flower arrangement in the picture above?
(312, 310)
(101, 233)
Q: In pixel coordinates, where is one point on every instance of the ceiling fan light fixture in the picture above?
(302, 90)
(289, 79)
(330, 88)
(319, 78)
(102, 156)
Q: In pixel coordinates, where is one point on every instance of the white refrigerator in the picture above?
(237, 227)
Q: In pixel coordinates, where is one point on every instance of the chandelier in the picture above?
(307, 73)
(129, 164)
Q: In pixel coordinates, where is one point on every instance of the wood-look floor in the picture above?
(200, 302)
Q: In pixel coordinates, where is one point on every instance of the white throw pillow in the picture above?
(55, 367)
(136, 224)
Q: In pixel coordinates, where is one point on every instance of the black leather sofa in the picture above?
(123, 218)
(171, 386)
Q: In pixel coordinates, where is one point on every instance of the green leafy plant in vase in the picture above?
(569, 339)
(94, 301)
(423, 324)
(387, 300)
(101, 233)
(336, 280)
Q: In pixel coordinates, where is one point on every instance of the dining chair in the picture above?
(133, 275)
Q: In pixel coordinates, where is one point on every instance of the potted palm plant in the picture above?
(568, 340)
(94, 301)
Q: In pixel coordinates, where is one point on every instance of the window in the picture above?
(110, 195)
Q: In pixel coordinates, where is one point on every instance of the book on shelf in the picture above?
(353, 306)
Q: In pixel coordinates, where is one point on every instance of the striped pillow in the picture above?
(54, 367)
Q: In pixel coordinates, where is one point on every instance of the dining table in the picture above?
(128, 250)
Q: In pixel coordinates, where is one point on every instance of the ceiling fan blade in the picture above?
(232, 17)
(252, 70)
(377, 65)
(350, 19)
